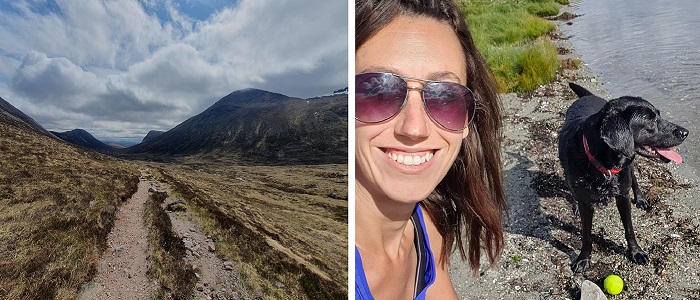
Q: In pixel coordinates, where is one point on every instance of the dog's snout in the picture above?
(681, 132)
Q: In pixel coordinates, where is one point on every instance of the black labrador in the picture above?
(597, 146)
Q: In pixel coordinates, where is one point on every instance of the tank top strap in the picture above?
(425, 275)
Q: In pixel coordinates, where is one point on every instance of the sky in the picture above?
(120, 68)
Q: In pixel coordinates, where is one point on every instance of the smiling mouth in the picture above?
(663, 155)
(410, 159)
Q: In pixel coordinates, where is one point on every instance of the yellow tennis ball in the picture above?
(613, 284)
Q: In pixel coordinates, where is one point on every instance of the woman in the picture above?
(428, 169)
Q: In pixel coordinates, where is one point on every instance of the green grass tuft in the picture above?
(538, 63)
(508, 34)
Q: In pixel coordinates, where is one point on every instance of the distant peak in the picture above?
(79, 130)
(152, 135)
(254, 91)
(249, 95)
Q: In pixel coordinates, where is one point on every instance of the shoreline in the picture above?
(542, 232)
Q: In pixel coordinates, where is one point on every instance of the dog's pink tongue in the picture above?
(670, 154)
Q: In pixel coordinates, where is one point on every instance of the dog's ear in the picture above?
(615, 131)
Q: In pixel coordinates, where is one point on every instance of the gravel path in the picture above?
(121, 273)
(543, 232)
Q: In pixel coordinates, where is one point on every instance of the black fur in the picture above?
(616, 131)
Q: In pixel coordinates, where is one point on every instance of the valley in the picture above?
(270, 196)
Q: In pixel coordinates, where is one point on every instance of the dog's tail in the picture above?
(579, 90)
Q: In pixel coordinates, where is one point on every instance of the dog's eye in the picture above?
(650, 124)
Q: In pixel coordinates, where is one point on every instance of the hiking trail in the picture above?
(122, 270)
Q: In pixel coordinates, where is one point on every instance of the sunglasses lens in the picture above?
(378, 96)
(449, 104)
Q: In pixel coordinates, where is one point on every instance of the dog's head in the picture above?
(632, 125)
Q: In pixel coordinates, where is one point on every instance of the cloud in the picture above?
(44, 79)
(150, 65)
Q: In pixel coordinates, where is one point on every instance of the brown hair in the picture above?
(469, 202)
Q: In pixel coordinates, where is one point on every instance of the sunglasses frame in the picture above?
(425, 104)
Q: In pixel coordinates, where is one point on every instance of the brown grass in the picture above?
(57, 205)
(177, 278)
(284, 226)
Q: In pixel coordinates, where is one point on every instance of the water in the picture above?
(649, 49)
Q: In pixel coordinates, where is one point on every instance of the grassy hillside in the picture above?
(284, 226)
(57, 205)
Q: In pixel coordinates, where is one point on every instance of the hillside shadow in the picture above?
(540, 204)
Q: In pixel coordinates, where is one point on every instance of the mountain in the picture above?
(13, 116)
(261, 126)
(82, 138)
(152, 135)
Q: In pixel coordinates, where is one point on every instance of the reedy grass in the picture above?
(57, 206)
(509, 36)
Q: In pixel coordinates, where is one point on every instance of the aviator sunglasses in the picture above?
(381, 96)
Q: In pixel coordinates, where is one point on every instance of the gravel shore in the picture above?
(543, 231)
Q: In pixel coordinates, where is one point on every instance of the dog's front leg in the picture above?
(634, 252)
(639, 200)
(583, 261)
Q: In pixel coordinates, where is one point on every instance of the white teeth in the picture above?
(410, 160)
(416, 160)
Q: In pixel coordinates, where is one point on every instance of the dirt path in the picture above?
(121, 273)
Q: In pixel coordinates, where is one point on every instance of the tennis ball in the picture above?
(613, 284)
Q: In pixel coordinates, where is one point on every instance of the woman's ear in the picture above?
(465, 132)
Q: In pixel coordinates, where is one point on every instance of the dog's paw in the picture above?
(581, 265)
(642, 204)
(638, 257)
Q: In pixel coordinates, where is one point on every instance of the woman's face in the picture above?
(417, 47)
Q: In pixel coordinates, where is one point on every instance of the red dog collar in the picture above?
(606, 172)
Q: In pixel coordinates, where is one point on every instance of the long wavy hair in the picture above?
(469, 204)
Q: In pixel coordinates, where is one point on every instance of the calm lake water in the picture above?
(650, 49)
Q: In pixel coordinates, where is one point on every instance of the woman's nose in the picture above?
(413, 121)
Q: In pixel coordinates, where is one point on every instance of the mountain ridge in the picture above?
(82, 138)
(13, 116)
(251, 124)
(152, 135)
(260, 126)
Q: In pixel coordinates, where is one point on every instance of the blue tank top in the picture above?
(425, 275)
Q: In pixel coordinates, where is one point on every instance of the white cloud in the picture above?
(115, 63)
(54, 80)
